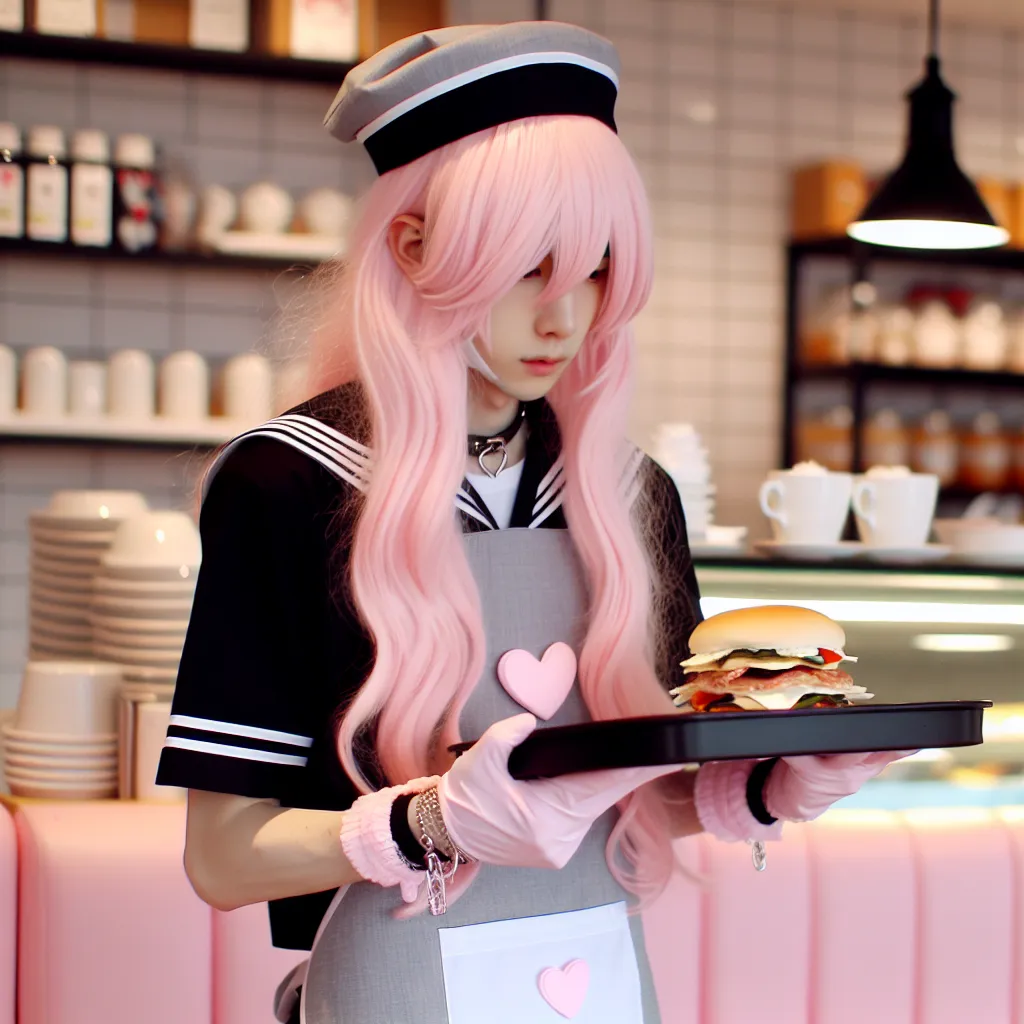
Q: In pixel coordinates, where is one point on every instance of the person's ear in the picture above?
(405, 240)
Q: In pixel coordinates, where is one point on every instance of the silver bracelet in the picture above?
(429, 806)
(437, 897)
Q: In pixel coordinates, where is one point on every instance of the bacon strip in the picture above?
(765, 679)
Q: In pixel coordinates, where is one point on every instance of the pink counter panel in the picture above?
(876, 917)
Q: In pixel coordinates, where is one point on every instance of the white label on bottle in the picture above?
(12, 201)
(92, 204)
(325, 29)
(47, 207)
(66, 17)
(219, 24)
(12, 15)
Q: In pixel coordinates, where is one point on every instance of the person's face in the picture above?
(532, 343)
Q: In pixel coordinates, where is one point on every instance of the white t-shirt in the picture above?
(499, 492)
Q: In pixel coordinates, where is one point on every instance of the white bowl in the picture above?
(141, 642)
(147, 691)
(89, 539)
(54, 613)
(77, 586)
(151, 574)
(62, 632)
(114, 624)
(131, 590)
(142, 609)
(63, 790)
(103, 762)
(61, 553)
(74, 698)
(54, 650)
(73, 775)
(162, 658)
(37, 740)
(155, 540)
(140, 675)
(70, 601)
(89, 509)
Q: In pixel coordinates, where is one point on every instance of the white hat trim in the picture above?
(483, 71)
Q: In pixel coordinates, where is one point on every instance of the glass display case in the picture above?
(951, 633)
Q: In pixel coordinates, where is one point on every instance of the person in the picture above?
(453, 540)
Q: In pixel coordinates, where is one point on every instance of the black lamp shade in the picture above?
(929, 186)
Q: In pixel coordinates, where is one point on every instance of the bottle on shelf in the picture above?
(936, 448)
(895, 335)
(92, 190)
(46, 206)
(986, 454)
(12, 182)
(826, 438)
(936, 330)
(985, 336)
(886, 440)
(135, 193)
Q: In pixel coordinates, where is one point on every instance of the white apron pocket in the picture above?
(577, 966)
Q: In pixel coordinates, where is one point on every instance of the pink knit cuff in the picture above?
(720, 799)
(367, 841)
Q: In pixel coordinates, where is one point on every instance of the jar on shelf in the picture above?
(826, 438)
(12, 182)
(936, 330)
(1015, 342)
(886, 440)
(135, 193)
(936, 448)
(985, 336)
(825, 335)
(46, 185)
(92, 190)
(985, 454)
(895, 335)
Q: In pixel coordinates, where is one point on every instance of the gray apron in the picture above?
(368, 968)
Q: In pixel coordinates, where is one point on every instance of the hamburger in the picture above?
(771, 658)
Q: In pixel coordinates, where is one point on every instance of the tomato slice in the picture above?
(831, 657)
(701, 699)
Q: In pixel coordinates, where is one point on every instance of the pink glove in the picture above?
(539, 824)
(802, 788)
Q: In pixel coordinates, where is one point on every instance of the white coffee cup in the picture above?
(184, 386)
(8, 382)
(218, 208)
(894, 507)
(69, 698)
(248, 384)
(806, 505)
(87, 389)
(266, 208)
(44, 382)
(130, 384)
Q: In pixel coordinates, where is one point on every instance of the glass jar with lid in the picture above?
(12, 182)
(986, 454)
(46, 206)
(936, 448)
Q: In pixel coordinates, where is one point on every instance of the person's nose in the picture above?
(556, 320)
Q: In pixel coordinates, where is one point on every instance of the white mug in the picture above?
(87, 389)
(266, 208)
(130, 376)
(184, 386)
(248, 383)
(895, 510)
(806, 508)
(218, 208)
(151, 721)
(44, 382)
(8, 382)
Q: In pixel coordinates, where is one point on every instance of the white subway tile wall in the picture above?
(720, 99)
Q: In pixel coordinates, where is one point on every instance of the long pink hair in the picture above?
(494, 205)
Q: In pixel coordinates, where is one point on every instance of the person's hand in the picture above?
(498, 820)
(802, 788)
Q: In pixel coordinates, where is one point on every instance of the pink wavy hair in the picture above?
(494, 205)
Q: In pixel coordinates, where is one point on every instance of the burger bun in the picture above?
(767, 627)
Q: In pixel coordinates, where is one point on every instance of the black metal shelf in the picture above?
(37, 46)
(155, 257)
(872, 373)
(848, 248)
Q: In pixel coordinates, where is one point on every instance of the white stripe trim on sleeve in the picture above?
(330, 434)
(252, 732)
(494, 67)
(242, 753)
(555, 504)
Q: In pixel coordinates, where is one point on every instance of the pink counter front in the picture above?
(877, 917)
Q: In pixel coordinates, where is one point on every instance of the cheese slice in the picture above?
(724, 661)
(784, 698)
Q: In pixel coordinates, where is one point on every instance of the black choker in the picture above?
(482, 445)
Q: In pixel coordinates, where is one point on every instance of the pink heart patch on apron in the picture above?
(539, 686)
(564, 989)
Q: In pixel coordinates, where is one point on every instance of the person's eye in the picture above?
(601, 272)
(536, 272)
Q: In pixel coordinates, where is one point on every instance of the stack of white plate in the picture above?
(142, 597)
(68, 538)
(679, 449)
(62, 742)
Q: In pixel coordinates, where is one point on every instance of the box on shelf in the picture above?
(12, 15)
(220, 25)
(1015, 224)
(64, 17)
(162, 21)
(341, 30)
(826, 198)
(998, 197)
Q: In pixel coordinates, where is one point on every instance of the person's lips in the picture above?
(542, 367)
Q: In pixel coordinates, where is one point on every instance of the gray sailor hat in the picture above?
(421, 93)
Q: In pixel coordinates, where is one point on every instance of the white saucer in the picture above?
(908, 556)
(794, 552)
(703, 549)
(993, 559)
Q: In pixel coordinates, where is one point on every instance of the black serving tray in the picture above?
(726, 736)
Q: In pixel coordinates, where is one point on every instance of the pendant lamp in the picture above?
(928, 202)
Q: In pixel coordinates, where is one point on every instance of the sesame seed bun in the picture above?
(769, 627)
